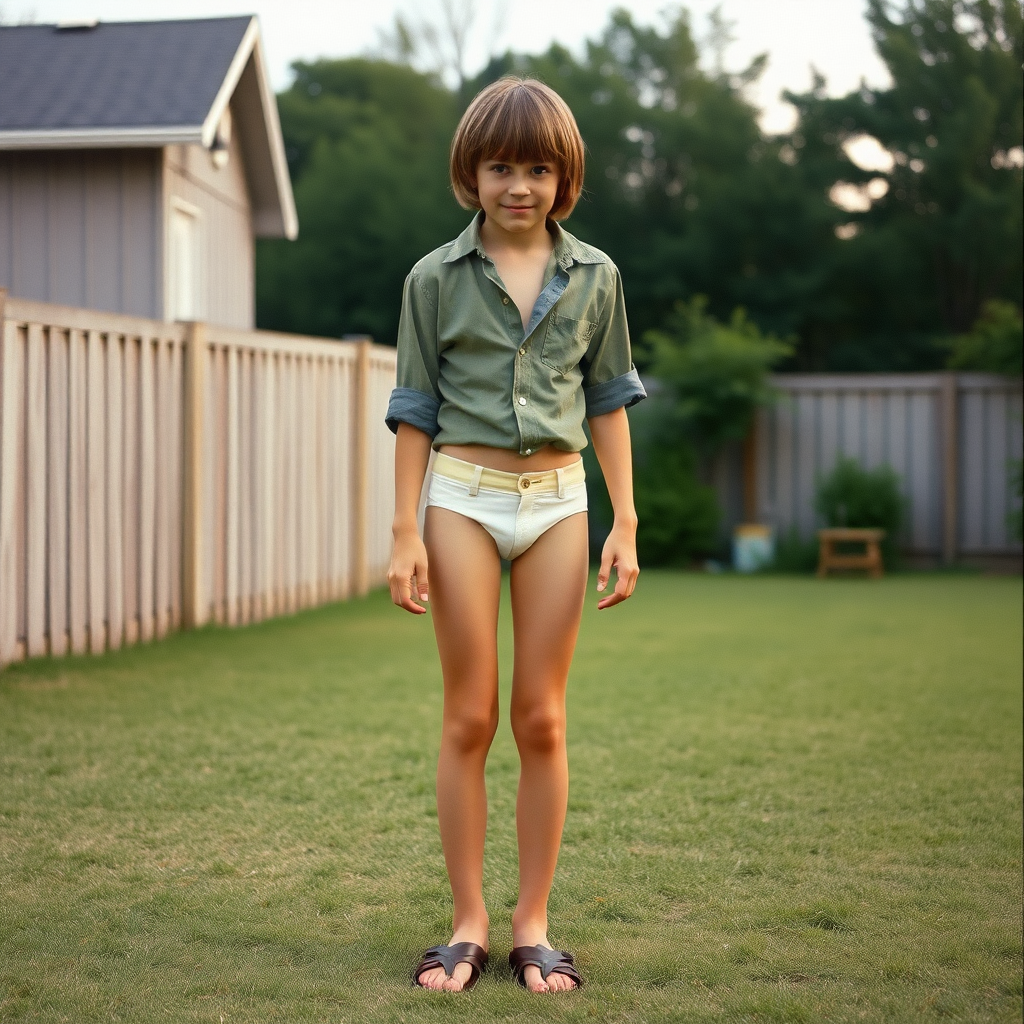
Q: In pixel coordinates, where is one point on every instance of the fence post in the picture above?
(8, 468)
(361, 463)
(194, 603)
(950, 465)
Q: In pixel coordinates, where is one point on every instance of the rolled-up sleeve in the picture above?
(610, 380)
(416, 398)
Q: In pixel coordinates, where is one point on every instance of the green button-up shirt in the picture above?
(468, 373)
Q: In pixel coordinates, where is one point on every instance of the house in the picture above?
(138, 163)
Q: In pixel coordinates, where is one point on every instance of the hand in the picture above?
(619, 553)
(407, 574)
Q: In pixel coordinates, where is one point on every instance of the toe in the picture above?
(463, 973)
(533, 979)
(558, 982)
(433, 979)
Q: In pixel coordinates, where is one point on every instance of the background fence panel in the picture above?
(950, 436)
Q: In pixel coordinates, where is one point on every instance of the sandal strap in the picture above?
(449, 957)
(547, 961)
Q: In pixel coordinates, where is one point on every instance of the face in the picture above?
(516, 196)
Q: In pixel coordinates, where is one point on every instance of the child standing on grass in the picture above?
(510, 336)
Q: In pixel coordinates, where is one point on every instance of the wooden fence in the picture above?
(155, 475)
(950, 436)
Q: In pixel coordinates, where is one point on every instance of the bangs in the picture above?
(520, 121)
(521, 130)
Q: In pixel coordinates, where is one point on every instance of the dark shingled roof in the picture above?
(123, 75)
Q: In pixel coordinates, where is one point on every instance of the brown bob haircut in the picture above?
(519, 120)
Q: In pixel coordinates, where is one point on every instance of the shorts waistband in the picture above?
(514, 483)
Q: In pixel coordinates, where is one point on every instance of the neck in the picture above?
(496, 238)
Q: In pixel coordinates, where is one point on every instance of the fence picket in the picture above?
(130, 489)
(161, 518)
(35, 511)
(57, 493)
(115, 497)
(78, 557)
(232, 492)
(96, 516)
(147, 490)
(11, 391)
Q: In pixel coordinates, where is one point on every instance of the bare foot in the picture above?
(556, 982)
(437, 981)
(537, 936)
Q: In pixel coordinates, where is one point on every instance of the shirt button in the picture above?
(505, 301)
(522, 401)
(529, 451)
(522, 351)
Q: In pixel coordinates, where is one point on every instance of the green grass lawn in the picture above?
(792, 800)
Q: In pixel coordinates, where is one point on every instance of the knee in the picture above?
(469, 731)
(539, 729)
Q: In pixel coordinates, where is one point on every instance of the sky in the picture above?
(831, 35)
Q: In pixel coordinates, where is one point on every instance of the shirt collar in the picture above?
(568, 248)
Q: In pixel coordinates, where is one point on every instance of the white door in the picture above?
(184, 277)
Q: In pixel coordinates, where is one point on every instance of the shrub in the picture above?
(678, 515)
(794, 553)
(857, 497)
(995, 344)
(708, 379)
(717, 374)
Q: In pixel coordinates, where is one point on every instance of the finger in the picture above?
(627, 580)
(611, 599)
(408, 602)
(422, 583)
(605, 571)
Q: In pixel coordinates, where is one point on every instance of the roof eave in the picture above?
(277, 219)
(282, 179)
(148, 137)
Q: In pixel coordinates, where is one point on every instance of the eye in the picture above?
(541, 169)
(499, 168)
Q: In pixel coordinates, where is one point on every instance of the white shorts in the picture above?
(514, 508)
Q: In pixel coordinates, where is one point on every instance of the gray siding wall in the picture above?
(228, 251)
(83, 228)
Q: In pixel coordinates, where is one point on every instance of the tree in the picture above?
(367, 148)
(945, 236)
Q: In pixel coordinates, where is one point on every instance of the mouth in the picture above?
(519, 209)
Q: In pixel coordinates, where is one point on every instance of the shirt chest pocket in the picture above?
(565, 342)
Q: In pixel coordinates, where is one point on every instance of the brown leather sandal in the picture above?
(450, 956)
(547, 961)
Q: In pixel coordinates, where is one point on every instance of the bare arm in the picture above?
(407, 575)
(610, 434)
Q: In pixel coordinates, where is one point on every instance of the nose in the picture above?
(520, 185)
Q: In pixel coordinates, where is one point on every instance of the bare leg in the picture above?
(549, 583)
(465, 580)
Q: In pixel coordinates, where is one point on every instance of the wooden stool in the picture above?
(871, 559)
